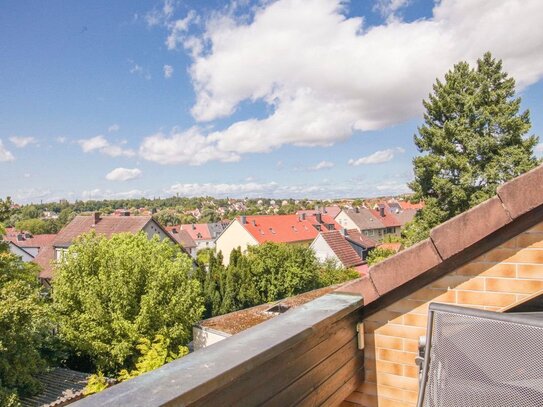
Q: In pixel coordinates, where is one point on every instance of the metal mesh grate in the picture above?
(476, 361)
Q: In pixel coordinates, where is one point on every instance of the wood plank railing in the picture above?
(307, 356)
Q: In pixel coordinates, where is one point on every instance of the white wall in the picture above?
(152, 229)
(233, 236)
(22, 253)
(202, 337)
(322, 249)
(345, 221)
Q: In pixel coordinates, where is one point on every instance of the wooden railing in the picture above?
(307, 356)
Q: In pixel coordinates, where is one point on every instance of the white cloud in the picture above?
(275, 190)
(381, 156)
(222, 190)
(136, 69)
(389, 8)
(5, 155)
(177, 30)
(98, 193)
(61, 139)
(100, 143)
(168, 71)
(159, 16)
(113, 128)
(325, 76)
(21, 142)
(31, 195)
(322, 166)
(188, 147)
(123, 174)
(539, 148)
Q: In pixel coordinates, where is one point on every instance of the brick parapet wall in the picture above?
(496, 280)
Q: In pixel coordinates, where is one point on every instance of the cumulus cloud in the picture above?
(381, 156)
(113, 128)
(323, 165)
(21, 142)
(61, 139)
(168, 71)
(188, 147)
(32, 195)
(123, 174)
(539, 148)
(325, 76)
(101, 144)
(5, 155)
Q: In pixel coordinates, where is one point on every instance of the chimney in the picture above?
(96, 216)
(243, 219)
(193, 226)
(357, 209)
(344, 231)
(254, 223)
(302, 216)
(382, 211)
(318, 216)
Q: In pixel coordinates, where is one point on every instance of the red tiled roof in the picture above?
(107, 225)
(44, 259)
(389, 220)
(408, 205)
(517, 206)
(197, 231)
(286, 228)
(34, 241)
(182, 237)
(341, 248)
(360, 239)
(331, 211)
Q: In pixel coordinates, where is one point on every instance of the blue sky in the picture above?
(287, 98)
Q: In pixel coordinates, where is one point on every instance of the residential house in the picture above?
(20, 252)
(331, 211)
(245, 231)
(103, 225)
(31, 244)
(184, 239)
(359, 345)
(374, 223)
(200, 233)
(333, 245)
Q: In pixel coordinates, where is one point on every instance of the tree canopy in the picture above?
(24, 326)
(268, 272)
(110, 294)
(473, 139)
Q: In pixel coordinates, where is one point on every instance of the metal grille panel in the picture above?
(476, 361)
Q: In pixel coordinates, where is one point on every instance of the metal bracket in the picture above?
(360, 330)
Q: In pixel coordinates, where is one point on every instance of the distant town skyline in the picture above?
(282, 99)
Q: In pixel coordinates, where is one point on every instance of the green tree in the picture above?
(153, 355)
(5, 209)
(167, 217)
(108, 294)
(378, 254)
(474, 138)
(24, 326)
(66, 216)
(265, 273)
(30, 212)
(38, 226)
